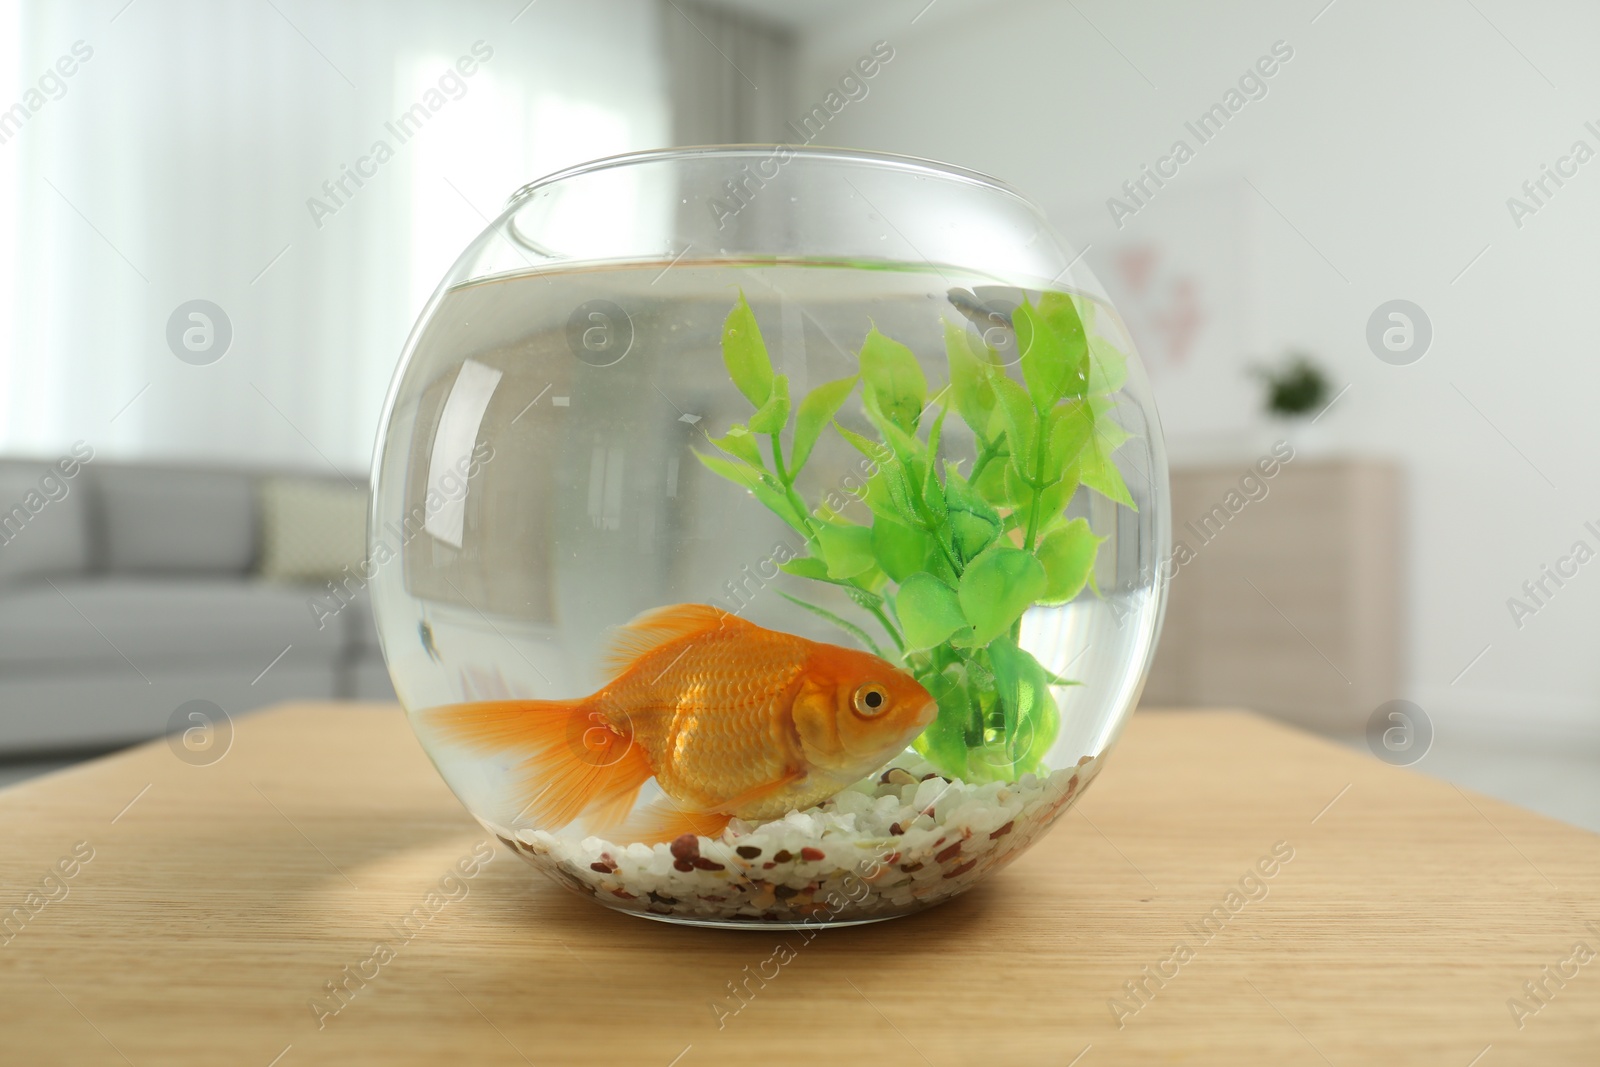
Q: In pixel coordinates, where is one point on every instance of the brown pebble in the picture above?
(782, 857)
(812, 854)
(898, 776)
(662, 898)
(748, 852)
(767, 866)
(963, 869)
(603, 867)
(941, 777)
(624, 894)
(784, 892)
(686, 847)
(909, 867)
(949, 853)
(683, 865)
(706, 864)
(1003, 831)
(895, 829)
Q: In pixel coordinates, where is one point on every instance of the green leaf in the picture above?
(847, 549)
(1045, 723)
(960, 495)
(1051, 502)
(876, 451)
(974, 523)
(866, 599)
(816, 411)
(888, 491)
(902, 443)
(1095, 469)
(969, 379)
(1065, 316)
(745, 354)
(848, 627)
(944, 742)
(1021, 424)
(1087, 311)
(933, 501)
(1068, 554)
(876, 496)
(897, 486)
(1070, 427)
(929, 611)
(1029, 710)
(893, 375)
(901, 550)
(997, 587)
(806, 567)
(991, 484)
(970, 534)
(738, 442)
(1054, 351)
(1108, 367)
(995, 432)
(755, 481)
(773, 416)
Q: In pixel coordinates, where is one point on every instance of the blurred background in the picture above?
(1349, 238)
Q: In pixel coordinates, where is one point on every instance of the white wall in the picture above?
(1392, 141)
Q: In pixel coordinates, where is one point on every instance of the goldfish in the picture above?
(732, 720)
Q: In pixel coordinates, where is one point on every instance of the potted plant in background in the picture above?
(1297, 391)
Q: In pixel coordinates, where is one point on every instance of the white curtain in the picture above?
(179, 159)
(730, 75)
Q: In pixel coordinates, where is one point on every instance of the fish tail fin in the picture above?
(576, 762)
(667, 822)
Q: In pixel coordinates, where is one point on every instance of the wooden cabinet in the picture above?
(1288, 596)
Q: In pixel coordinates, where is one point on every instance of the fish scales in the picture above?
(712, 711)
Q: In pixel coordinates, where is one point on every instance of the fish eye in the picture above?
(871, 699)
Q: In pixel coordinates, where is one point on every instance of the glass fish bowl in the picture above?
(768, 536)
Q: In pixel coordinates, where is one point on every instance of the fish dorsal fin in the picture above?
(655, 628)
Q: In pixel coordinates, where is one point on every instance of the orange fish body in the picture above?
(731, 719)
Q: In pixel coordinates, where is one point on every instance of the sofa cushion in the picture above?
(158, 622)
(44, 521)
(176, 520)
(312, 530)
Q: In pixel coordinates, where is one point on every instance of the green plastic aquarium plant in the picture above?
(951, 559)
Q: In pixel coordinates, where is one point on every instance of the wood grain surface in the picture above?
(221, 899)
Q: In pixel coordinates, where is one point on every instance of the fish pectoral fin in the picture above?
(666, 820)
(764, 790)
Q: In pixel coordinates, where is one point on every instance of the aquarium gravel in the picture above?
(903, 839)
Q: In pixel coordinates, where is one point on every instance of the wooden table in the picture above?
(221, 899)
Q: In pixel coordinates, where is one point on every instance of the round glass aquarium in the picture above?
(768, 535)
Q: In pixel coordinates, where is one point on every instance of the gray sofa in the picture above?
(128, 590)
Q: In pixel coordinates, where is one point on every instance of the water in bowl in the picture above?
(545, 481)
